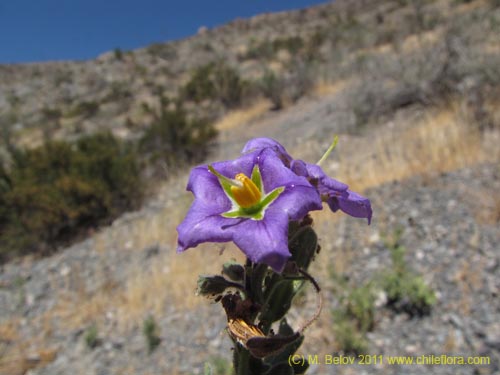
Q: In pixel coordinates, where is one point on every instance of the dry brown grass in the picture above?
(171, 280)
(23, 355)
(468, 280)
(324, 88)
(244, 115)
(417, 42)
(443, 141)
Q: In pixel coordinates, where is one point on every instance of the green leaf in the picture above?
(279, 300)
(225, 182)
(303, 245)
(281, 369)
(256, 177)
(271, 196)
(283, 357)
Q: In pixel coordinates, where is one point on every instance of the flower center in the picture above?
(246, 195)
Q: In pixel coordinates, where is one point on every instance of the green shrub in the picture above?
(300, 80)
(291, 44)
(63, 76)
(263, 50)
(348, 337)
(406, 291)
(214, 81)
(92, 337)
(84, 109)
(150, 330)
(173, 138)
(54, 192)
(162, 50)
(5, 186)
(228, 85)
(51, 114)
(118, 92)
(273, 88)
(354, 317)
(314, 43)
(200, 86)
(118, 54)
(360, 306)
(266, 49)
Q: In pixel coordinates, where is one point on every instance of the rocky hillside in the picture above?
(324, 43)
(69, 98)
(410, 88)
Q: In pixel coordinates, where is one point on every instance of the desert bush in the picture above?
(5, 186)
(300, 79)
(360, 306)
(118, 91)
(353, 319)
(259, 50)
(54, 192)
(175, 138)
(291, 44)
(92, 337)
(314, 43)
(13, 99)
(273, 88)
(347, 336)
(267, 49)
(63, 76)
(162, 50)
(150, 331)
(228, 85)
(406, 291)
(51, 114)
(85, 109)
(200, 86)
(118, 54)
(215, 80)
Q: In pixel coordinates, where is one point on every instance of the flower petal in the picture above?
(231, 168)
(288, 201)
(207, 189)
(265, 241)
(354, 205)
(299, 168)
(263, 143)
(202, 224)
(299, 196)
(275, 173)
(326, 182)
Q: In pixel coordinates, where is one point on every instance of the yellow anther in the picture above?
(246, 195)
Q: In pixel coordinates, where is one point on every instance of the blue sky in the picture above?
(42, 30)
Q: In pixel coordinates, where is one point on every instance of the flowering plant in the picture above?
(261, 201)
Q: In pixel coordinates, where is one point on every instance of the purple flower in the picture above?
(334, 192)
(249, 201)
